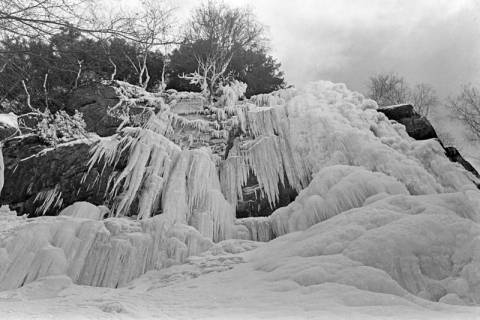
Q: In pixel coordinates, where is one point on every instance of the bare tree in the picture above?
(388, 89)
(43, 18)
(466, 106)
(222, 31)
(423, 97)
(152, 27)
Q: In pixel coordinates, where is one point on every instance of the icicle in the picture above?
(148, 164)
(233, 175)
(263, 121)
(259, 228)
(263, 157)
(49, 199)
(270, 156)
(192, 195)
(201, 177)
(2, 169)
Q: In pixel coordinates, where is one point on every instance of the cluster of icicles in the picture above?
(286, 138)
(157, 168)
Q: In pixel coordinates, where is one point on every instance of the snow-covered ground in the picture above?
(220, 286)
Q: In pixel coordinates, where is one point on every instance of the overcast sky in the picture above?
(431, 41)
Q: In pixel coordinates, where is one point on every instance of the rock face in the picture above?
(93, 102)
(454, 155)
(37, 174)
(420, 128)
(417, 127)
(255, 203)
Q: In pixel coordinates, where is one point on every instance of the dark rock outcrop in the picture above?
(255, 202)
(417, 127)
(454, 155)
(93, 101)
(420, 128)
(35, 171)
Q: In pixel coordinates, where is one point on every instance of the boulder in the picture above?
(93, 101)
(40, 179)
(420, 128)
(454, 155)
(255, 202)
(417, 127)
(84, 210)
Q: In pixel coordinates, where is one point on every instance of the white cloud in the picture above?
(433, 41)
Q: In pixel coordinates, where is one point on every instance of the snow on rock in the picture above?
(8, 125)
(84, 210)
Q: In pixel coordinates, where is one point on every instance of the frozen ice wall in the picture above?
(106, 253)
(325, 125)
(373, 202)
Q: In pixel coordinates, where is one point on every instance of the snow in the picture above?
(383, 227)
(9, 121)
(226, 283)
(84, 210)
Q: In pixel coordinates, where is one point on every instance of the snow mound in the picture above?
(84, 210)
(400, 245)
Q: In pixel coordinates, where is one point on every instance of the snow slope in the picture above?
(387, 227)
(224, 285)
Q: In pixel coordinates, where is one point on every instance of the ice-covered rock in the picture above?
(84, 210)
(8, 125)
(41, 179)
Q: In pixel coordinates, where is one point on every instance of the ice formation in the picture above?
(398, 245)
(269, 155)
(324, 124)
(85, 210)
(378, 213)
(192, 195)
(106, 253)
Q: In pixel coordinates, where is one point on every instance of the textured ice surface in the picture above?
(99, 253)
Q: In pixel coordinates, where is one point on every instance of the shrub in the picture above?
(61, 127)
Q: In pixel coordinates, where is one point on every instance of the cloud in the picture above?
(436, 42)
(431, 41)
